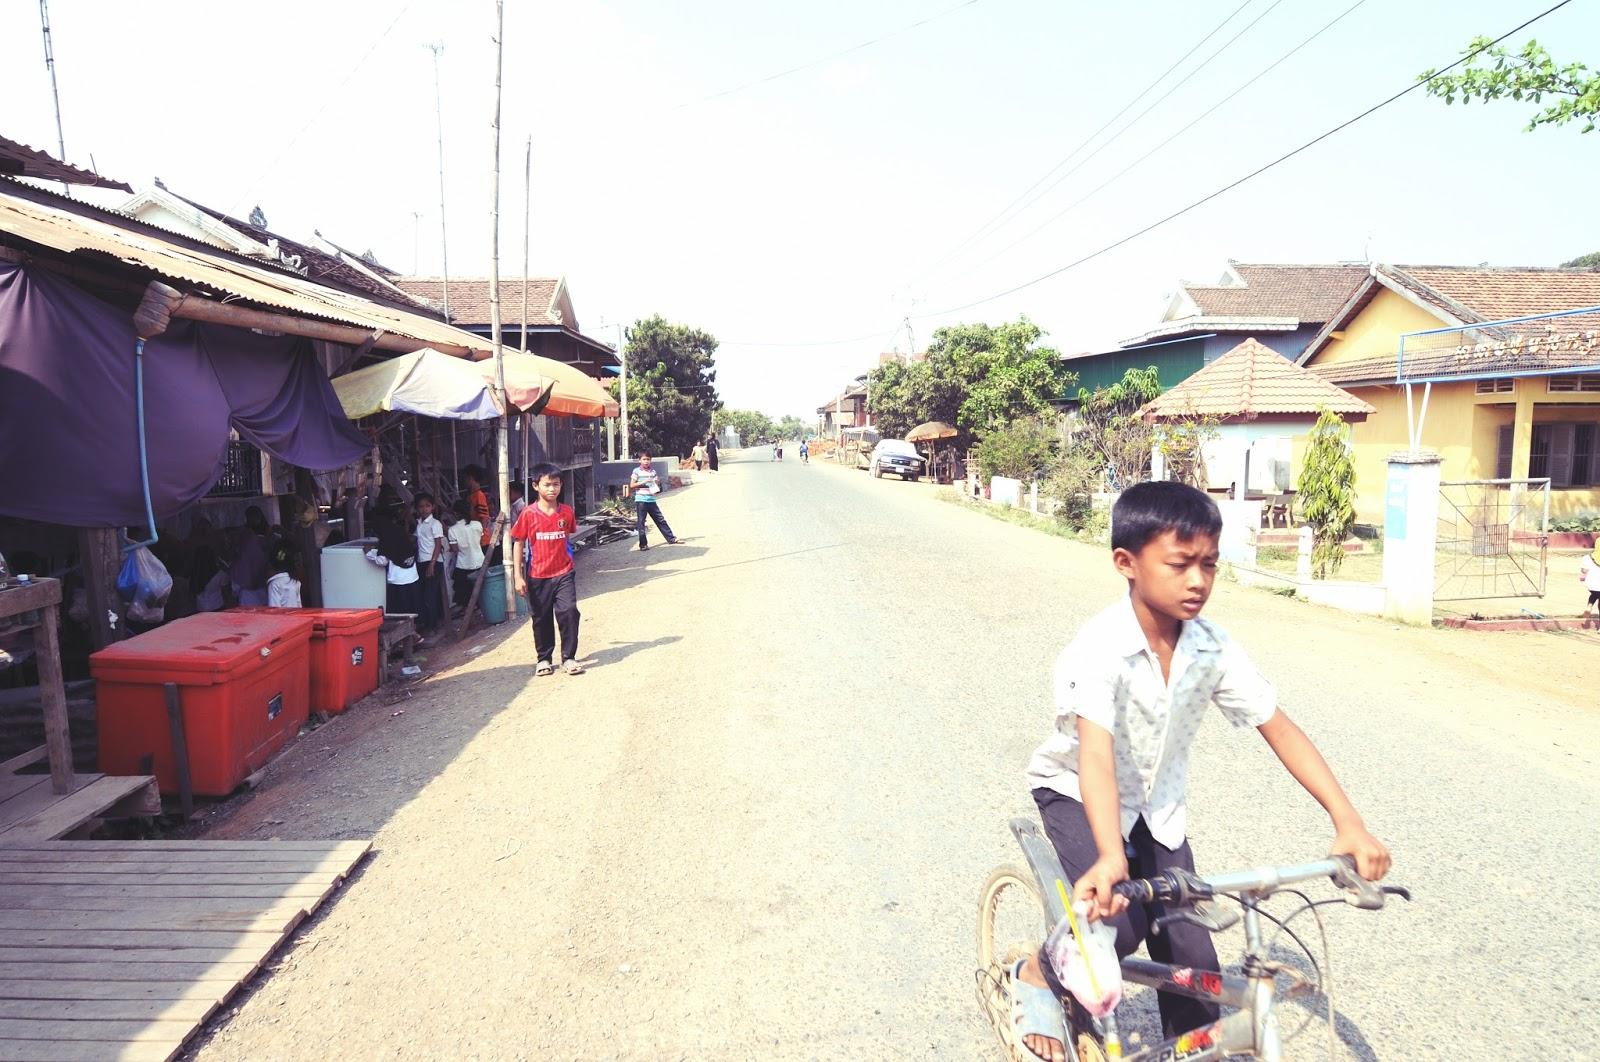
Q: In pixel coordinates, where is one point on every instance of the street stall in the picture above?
(942, 464)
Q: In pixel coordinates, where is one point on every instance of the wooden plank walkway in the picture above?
(31, 810)
(123, 949)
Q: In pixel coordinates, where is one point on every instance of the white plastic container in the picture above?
(349, 580)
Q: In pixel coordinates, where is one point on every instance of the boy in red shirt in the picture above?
(542, 568)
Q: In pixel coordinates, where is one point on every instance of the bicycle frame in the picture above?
(1253, 1027)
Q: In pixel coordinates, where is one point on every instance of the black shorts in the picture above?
(1594, 597)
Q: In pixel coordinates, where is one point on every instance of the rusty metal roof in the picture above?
(63, 229)
(20, 160)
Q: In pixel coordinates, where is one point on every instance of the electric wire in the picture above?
(1180, 212)
(1103, 185)
(881, 38)
(984, 229)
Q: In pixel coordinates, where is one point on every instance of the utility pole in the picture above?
(622, 357)
(502, 445)
(527, 213)
(55, 93)
(444, 229)
(416, 240)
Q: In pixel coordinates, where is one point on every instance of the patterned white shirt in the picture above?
(1109, 676)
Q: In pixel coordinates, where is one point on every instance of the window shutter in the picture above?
(1561, 455)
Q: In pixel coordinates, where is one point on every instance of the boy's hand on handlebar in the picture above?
(1372, 858)
(1096, 884)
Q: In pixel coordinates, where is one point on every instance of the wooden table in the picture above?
(35, 605)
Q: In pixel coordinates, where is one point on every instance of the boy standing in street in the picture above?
(1131, 691)
(430, 561)
(542, 569)
(645, 483)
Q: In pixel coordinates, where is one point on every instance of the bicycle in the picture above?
(1251, 1030)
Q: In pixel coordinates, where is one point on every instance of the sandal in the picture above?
(572, 667)
(543, 669)
(1034, 1012)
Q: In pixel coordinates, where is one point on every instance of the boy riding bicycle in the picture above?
(1131, 690)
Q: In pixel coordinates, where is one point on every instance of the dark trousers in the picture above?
(430, 607)
(403, 598)
(650, 507)
(552, 602)
(461, 584)
(1179, 943)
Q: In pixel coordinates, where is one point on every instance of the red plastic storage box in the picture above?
(244, 687)
(344, 653)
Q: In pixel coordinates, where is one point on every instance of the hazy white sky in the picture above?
(801, 219)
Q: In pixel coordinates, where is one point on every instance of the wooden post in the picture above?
(53, 696)
(477, 583)
(180, 749)
(101, 560)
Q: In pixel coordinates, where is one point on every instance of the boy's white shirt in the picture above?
(466, 536)
(283, 591)
(429, 531)
(1109, 676)
(1590, 573)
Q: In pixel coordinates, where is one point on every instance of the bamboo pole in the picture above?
(527, 214)
(503, 473)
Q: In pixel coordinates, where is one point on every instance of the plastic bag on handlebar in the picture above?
(1092, 972)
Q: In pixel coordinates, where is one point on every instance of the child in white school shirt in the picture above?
(1130, 691)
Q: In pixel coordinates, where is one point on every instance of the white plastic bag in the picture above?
(1091, 972)
(151, 585)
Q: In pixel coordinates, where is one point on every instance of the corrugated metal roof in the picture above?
(64, 230)
(20, 160)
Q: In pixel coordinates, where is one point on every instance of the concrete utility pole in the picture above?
(502, 447)
(622, 357)
(527, 214)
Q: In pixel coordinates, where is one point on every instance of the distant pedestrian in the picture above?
(1589, 572)
(699, 457)
(646, 484)
(430, 562)
(541, 553)
(466, 546)
(711, 452)
(805, 453)
(518, 503)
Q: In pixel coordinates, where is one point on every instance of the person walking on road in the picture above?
(711, 452)
(645, 483)
(541, 554)
(698, 456)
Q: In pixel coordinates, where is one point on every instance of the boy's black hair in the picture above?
(476, 472)
(543, 469)
(516, 486)
(460, 508)
(1146, 510)
(422, 496)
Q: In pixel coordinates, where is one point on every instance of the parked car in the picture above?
(897, 456)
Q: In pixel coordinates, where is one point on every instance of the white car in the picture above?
(897, 456)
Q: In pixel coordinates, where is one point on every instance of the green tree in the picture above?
(792, 427)
(753, 428)
(1328, 492)
(1526, 75)
(1109, 425)
(672, 386)
(1583, 261)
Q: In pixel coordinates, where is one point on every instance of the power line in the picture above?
(1196, 121)
(827, 58)
(327, 100)
(1247, 177)
(984, 229)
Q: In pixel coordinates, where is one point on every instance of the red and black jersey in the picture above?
(548, 536)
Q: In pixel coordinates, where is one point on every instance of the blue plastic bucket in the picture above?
(493, 600)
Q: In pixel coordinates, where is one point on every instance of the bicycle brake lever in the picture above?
(1359, 892)
(1398, 890)
(1212, 917)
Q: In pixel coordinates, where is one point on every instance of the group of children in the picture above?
(417, 549)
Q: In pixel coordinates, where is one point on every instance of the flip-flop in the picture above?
(1034, 1012)
(572, 667)
(544, 668)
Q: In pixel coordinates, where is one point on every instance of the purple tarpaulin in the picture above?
(69, 444)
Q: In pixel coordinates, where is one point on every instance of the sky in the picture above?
(817, 183)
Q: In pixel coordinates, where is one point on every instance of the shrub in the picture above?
(1071, 485)
(1021, 450)
(1328, 492)
(1580, 524)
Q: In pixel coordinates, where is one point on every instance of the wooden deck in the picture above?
(123, 949)
(31, 809)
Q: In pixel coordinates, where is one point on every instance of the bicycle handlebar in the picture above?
(1180, 888)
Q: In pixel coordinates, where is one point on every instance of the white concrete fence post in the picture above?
(1410, 537)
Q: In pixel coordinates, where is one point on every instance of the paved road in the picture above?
(758, 826)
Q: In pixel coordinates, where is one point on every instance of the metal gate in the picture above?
(1493, 539)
